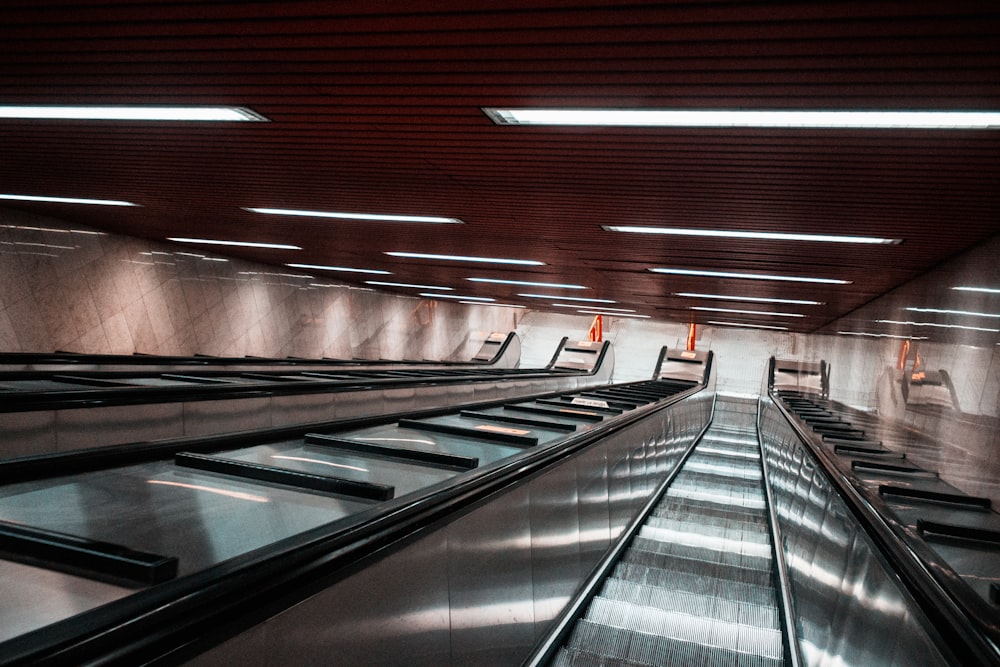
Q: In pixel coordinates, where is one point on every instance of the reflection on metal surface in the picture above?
(323, 463)
(239, 495)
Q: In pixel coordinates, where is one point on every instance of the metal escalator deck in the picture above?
(696, 586)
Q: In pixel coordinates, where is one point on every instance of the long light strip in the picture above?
(345, 269)
(242, 244)
(159, 113)
(834, 119)
(68, 200)
(745, 312)
(466, 258)
(879, 335)
(938, 326)
(734, 234)
(434, 295)
(381, 217)
(755, 299)
(499, 305)
(985, 290)
(749, 276)
(387, 284)
(558, 297)
(745, 325)
(576, 305)
(525, 283)
(604, 312)
(967, 313)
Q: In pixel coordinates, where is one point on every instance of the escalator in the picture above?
(696, 585)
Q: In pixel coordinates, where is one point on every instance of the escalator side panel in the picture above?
(828, 554)
(503, 581)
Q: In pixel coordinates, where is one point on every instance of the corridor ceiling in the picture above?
(377, 107)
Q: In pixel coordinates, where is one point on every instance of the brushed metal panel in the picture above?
(302, 409)
(27, 433)
(595, 535)
(393, 612)
(117, 424)
(490, 583)
(238, 414)
(555, 542)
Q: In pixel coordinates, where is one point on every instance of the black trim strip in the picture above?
(301, 480)
(82, 556)
(956, 499)
(410, 455)
(850, 450)
(567, 413)
(89, 381)
(197, 379)
(493, 433)
(526, 421)
(860, 443)
(874, 466)
(930, 529)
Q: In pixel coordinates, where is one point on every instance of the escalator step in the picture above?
(693, 528)
(695, 582)
(675, 506)
(718, 607)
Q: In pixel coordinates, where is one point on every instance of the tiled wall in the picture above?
(80, 290)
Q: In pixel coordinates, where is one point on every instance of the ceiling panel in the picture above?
(375, 107)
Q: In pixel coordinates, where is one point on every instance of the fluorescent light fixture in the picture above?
(936, 325)
(385, 284)
(749, 276)
(558, 297)
(745, 325)
(380, 217)
(604, 312)
(835, 119)
(745, 312)
(465, 258)
(242, 244)
(767, 236)
(526, 283)
(345, 269)
(755, 299)
(68, 200)
(213, 259)
(879, 335)
(576, 305)
(499, 305)
(435, 295)
(966, 313)
(985, 290)
(167, 113)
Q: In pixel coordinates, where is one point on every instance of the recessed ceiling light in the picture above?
(559, 297)
(768, 236)
(745, 312)
(966, 313)
(986, 290)
(879, 335)
(345, 269)
(749, 276)
(380, 217)
(835, 119)
(465, 258)
(745, 325)
(385, 284)
(525, 283)
(605, 312)
(576, 305)
(435, 295)
(755, 299)
(242, 244)
(166, 113)
(936, 325)
(68, 200)
(499, 305)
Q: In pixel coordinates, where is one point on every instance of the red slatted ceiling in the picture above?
(375, 107)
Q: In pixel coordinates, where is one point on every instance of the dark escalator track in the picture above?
(697, 584)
